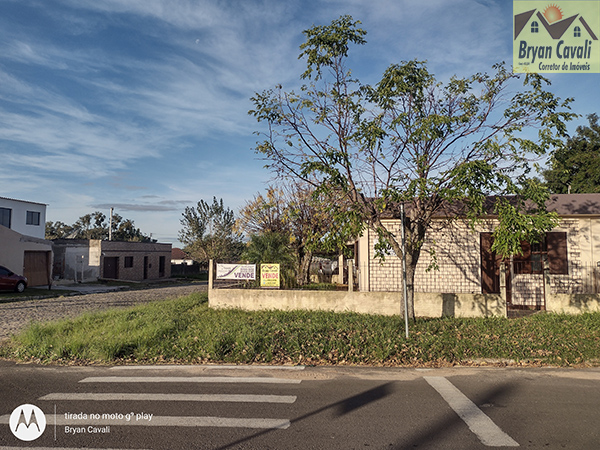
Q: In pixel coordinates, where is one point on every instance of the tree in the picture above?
(292, 210)
(410, 140)
(94, 226)
(208, 232)
(57, 230)
(272, 247)
(575, 167)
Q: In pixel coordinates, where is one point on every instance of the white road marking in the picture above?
(239, 398)
(189, 380)
(60, 448)
(173, 421)
(484, 428)
(209, 367)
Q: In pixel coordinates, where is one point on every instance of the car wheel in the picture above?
(20, 287)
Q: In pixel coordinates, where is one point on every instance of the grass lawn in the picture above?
(185, 330)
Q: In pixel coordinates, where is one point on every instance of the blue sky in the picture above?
(142, 104)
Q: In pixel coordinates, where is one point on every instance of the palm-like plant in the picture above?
(272, 247)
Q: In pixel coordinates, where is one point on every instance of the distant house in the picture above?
(467, 265)
(23, 248)
(83, 260)
(179, 257)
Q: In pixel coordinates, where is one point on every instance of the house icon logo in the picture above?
(556, 37)
(27, 422)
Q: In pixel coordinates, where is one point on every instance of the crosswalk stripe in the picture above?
(174, 421)
(207, 367)
(239, 398)
(59, 448)
(189, 380)
(480, 424)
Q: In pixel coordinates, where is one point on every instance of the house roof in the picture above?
(562, 204)
(177, 253)
(22, 201)
(574, 204)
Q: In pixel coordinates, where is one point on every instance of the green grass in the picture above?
(11, 296)
(185, 330)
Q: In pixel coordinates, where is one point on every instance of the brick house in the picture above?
(467, 265)
(82, 260)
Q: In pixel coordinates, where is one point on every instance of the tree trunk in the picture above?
(305, 260)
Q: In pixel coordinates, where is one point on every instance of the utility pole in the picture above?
(110, 224)
(404, 282)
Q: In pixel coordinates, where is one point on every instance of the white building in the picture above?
(24, 217)
(23, 248)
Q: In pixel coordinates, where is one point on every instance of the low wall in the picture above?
(384, 303)
(459, 305)
(573, 303)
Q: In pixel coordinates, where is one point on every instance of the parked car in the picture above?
(11, 281)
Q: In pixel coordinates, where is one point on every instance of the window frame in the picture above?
(128, 262)
(3, 212)
(553, 247)
(32, 217)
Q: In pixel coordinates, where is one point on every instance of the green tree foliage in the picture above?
(410, 139)
(272, 247)
(292, 210)
(95, 226)
(575, 167)
(208, 232)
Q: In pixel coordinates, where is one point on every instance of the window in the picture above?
(33, 218)
(577, 32)
(534, 27)
(128, 262)
(554, 246)
(5, 214)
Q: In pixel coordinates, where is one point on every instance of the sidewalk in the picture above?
(84, 288)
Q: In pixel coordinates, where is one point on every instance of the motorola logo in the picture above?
(27, 422)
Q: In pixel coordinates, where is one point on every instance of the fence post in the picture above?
(350, 275)
(210, 274)
(503, 286)
(547, 291)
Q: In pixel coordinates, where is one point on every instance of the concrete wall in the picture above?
(19, 210)
(77, 260)
(573, 303)
(384, 303)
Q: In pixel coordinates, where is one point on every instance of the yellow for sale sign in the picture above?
(269, 276)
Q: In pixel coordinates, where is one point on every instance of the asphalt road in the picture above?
(216, 407)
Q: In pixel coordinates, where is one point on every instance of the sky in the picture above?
(142, 105)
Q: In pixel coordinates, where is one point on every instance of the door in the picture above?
(490, 266)
(111, 267)
(36, 268)
(161, 266)
(145, 267)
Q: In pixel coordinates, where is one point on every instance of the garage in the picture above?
(36, 267)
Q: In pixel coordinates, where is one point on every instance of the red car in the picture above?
(11, 281)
